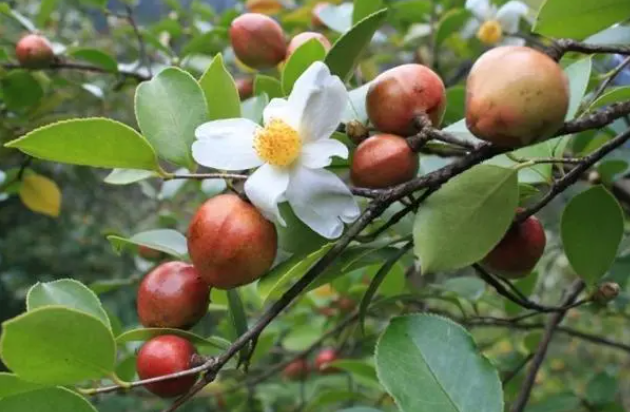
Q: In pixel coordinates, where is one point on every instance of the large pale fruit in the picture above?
(515, 96)
(230, 243)
(257, 40)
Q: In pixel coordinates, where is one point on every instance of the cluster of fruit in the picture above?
(299, 369)
(230, 244)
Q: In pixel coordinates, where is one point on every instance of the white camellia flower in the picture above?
(491, 25)
(290, 151)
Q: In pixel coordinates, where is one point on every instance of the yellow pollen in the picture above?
(277, 143)
(490, 32)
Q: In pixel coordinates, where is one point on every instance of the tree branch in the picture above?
(562, 46)
(83, 67)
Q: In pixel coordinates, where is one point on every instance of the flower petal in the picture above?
(481, 9)
(226, 144)
(470, 29)
(509, 15)
(318, 154)
(318, 99)
(322, 201)
(280, 109)
(265, 188)
(512, 41)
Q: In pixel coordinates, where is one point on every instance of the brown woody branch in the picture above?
(562, 46)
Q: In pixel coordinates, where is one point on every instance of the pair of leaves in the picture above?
(17, 395)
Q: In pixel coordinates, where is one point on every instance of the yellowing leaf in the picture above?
(41, 195)
(268, 7)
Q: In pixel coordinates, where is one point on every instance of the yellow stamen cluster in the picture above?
(278, 143)
(490, 32)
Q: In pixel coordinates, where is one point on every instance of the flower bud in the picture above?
(606, 292)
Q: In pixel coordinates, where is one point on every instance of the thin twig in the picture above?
(609, 79)
(562, 46)
(142, 50)
(511, 374)
(204, 176)
(83, 67)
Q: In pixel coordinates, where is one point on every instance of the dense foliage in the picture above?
(428, 222)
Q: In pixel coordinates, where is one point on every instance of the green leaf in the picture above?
(169, 108)
(168, 241)
(450, 23)
(20, 90)
(280, 279)
(327, 397)
(430, 364)
(57, 345)
(301, 59)
(68, 293)
(96, 57)
(296, 237)
(411, 11)
(376, 282)
(94, 3)
(346, 52)
(253, 108)
(362, 371)
(466, 218)
(578, 74)
(47, 400)
(220, 90)
(238, 318)
(592, 229)
(92, 142)
(301, 337)
(360, 409)
(337, 18)
(561, 402)
(578, 20)
(127, 176)
(467, 287)
(209, 43)
(539, 173)
(363, 8)
(455, 103)
(126, 369)
(618, 94)
(18, 17)
(11, 385)
(145, 334)
(268, 85)
(526, 286)
(46, 7)
(601, 389)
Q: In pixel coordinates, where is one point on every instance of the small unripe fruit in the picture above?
(515, 96)
(245, 87)
(399, 95)
(164, 355)
(345, 304)
(257, 40)
(302, 38)
(172, 295)
(357, 131)
(383, 160)
(606, 292)
(518, 252)
(230, 242)
(323, 360)
(296, 370)
(34, 51)
(147, 253)
(315, 20)
(327, 311)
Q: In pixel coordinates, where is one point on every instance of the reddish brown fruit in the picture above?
(173, 295)
(257, 40)
(34, 51)
(518, 252)
(323, 360)
(383, 160)
(302, 38)
(345, 304)
(164, 355)
(230, 242)
(245, 87)
(327, 311)
(296, 370)
(315, 20)
(399, 95)
(515, 96)
(147, 253)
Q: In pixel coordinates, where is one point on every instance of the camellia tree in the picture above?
(413, 205)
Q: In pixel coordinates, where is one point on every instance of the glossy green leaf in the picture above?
(68, 293)
(467, 287)
(561, 402)
(430, 364)
(301, 59)
(169, 108)
(145, 334)
(328, 397)
(11, 385)
(20, 90)
(126, 369)
(268, 85)
(57, 345)
(578, 74)
(578, 20)
(601, 389)
(363, 8)
(303, 336)
(612, 170)
(411, 11)
(296, 237)
(46, 8)
(539, 173)
(253, 108)
(347, 50)
(92, 142)
(127, 176)
(455, 104)
(592, 229)
(362, 371)
(96, 57)
(47, 400)
(168, 241)
(466, 218)
(280, 279)
(220, 91)
(450, 23)
(618, 94)
(238, 318)
(526, 286)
